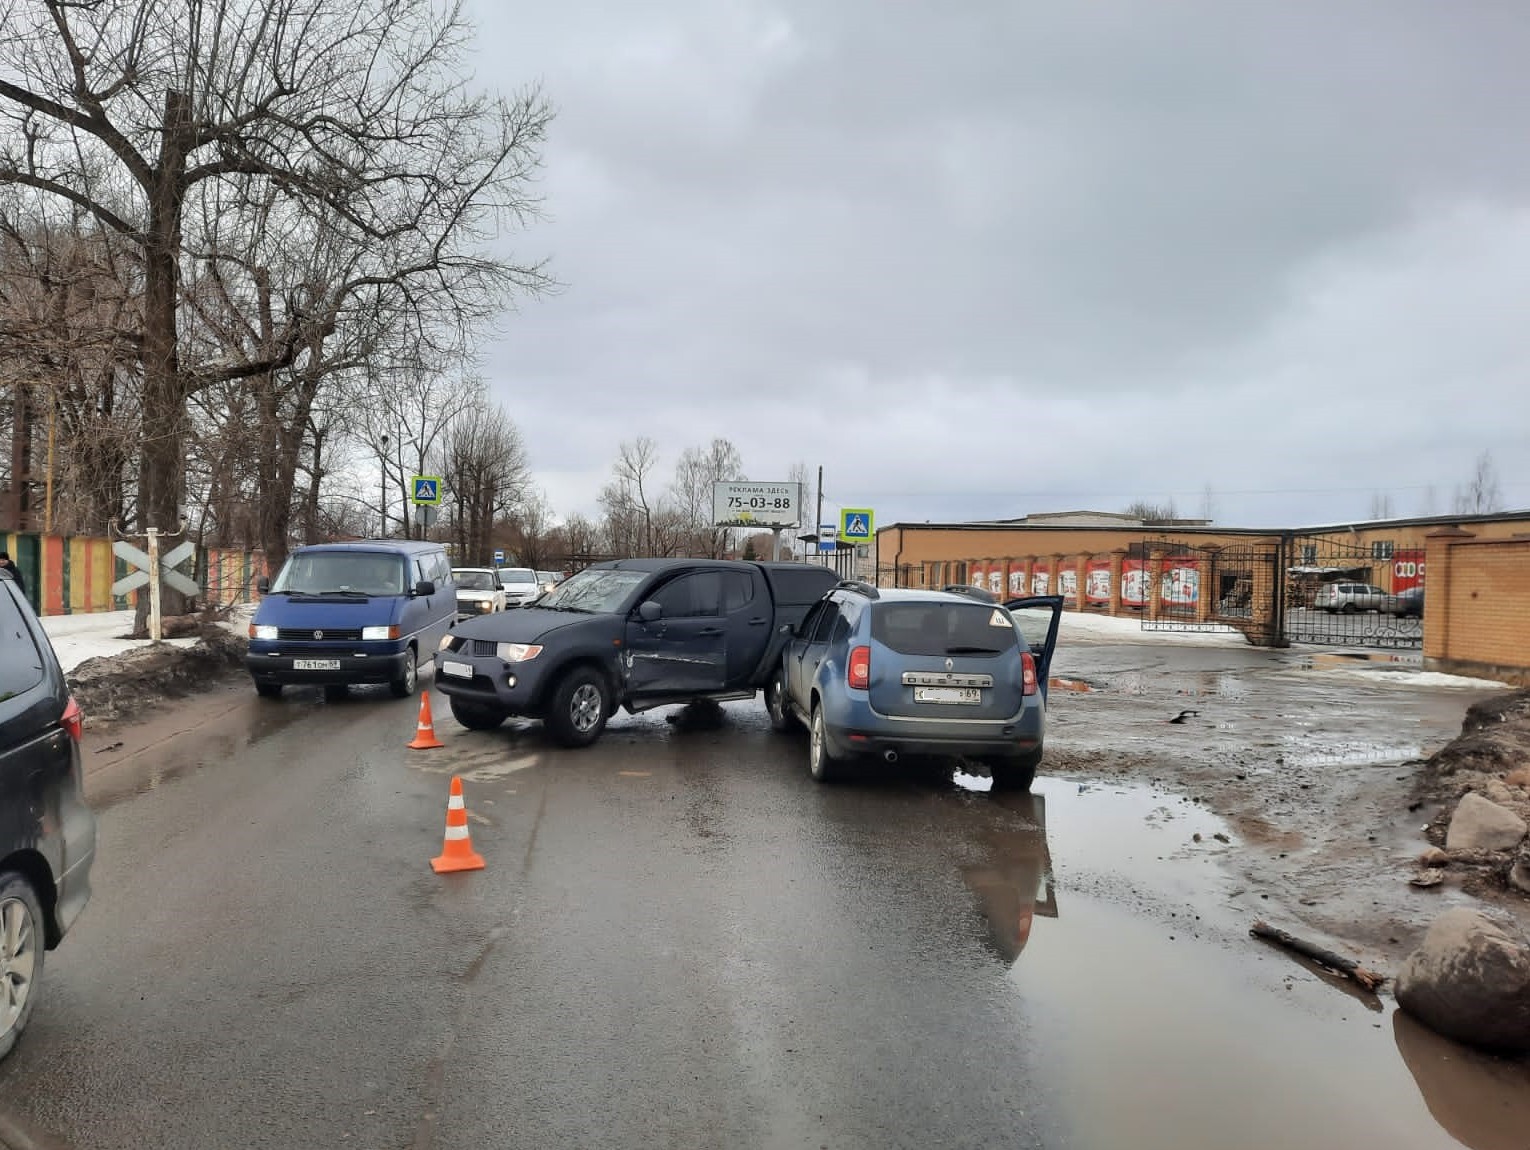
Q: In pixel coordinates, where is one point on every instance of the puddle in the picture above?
(1175, 1030)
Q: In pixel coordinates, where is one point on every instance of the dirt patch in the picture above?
(132, 684)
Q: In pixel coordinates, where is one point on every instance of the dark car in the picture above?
(634, 633)
(880, 674)
(1406, 604)
(47, 832)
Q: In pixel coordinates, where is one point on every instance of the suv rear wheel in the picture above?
(21, 956)
(1015, 774)
(822, 764)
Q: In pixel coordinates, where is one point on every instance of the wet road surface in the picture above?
(681, 940)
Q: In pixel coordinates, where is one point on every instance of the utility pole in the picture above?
(818, 518)
(382, 507)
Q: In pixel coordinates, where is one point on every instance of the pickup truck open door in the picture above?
(677, 639)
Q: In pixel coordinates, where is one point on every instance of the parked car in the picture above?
(479, 591)
(635, 633)
(1349, 598)
(878, 674)
(521, 585)
(1405, 604)
(350, 613)
(47, 832)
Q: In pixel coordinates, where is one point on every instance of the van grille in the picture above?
(319, 634)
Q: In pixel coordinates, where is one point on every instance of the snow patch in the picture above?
(972, 782)
(76, 638)
(1129, 629)
(1412, 678)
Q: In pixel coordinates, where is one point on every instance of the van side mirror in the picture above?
(650, 612)
(424, 589)
(263, 586)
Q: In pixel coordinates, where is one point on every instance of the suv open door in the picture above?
(1038, 617)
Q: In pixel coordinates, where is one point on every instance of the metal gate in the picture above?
(1340, 594)
(1182, 587)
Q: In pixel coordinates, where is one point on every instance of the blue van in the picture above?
(344, 613)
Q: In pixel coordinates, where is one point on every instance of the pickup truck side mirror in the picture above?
(263, 585)
(424, 589)
(650, 612)
(787, 629)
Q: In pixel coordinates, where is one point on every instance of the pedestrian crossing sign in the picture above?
(425, 489)
(857, 524)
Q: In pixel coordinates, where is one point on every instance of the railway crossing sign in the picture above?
(168, 562)
(425, 490)
(857, 524)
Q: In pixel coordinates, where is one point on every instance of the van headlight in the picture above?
(263, 631)
(371, 633)
(517, 652)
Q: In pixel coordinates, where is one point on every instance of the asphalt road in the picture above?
(679, 940)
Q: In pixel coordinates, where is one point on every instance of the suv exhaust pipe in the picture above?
(890, 756)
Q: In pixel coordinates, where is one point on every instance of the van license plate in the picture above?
(316, 664)
(457, 670)
(947, 695)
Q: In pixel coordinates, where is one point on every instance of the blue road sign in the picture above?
(425, 489)
(499, 557)
(856, 524)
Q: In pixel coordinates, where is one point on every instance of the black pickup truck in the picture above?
(634, 633)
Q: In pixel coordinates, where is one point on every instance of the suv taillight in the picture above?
(859, 673)
(1028, 672)
(74, 720)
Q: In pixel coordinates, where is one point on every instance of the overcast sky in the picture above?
(995, 257)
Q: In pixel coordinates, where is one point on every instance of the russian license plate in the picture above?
(456, 670)
(948, 695)
(316, 664)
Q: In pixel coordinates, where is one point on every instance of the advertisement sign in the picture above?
(1041, 580)
(1181, 583)
(996, 579)
(1016, 580)
(1067, 583)
(977, 575)
(1407, 570)
(1098, 588)
(757, 504)
(1134, 587)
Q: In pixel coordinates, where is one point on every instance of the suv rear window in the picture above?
(942, 629)
(21, 663)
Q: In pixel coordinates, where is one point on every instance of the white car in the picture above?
(479, 591)
(521, 585)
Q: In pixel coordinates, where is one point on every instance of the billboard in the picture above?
(1099, 581)
(757, 504)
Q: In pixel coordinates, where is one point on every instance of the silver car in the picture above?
(521, 585)
(1348, 598)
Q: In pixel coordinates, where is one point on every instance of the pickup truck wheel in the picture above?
(21, 956)
(822, 764)
(403, 686)
(477, 716)
(782, 717)
(1015, 774)
(579, 708)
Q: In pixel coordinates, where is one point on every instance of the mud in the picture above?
(132, 685)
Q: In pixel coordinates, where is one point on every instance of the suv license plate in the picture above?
(457, 670)
(316, 664)
(948, 695)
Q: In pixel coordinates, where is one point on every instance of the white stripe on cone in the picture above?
(456, 833)
(454, 803)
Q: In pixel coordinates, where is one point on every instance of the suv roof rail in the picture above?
(860, 586)
(971, 592)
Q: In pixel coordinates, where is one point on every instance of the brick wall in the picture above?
(1477, 607)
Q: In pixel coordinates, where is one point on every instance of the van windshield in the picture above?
(341, 573)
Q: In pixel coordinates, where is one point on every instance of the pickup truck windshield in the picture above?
(341, 572)
(598, 592)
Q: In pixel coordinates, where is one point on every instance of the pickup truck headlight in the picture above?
(369, 633)
(518, 652)
(263, 631)
(446, 643)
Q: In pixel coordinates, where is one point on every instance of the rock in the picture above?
(1434, 856)
(1481, 824)
(1470, 980)
(1495, 790)
(1518, 777)
(1427, 878)
(1519, 873)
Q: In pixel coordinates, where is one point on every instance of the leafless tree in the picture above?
(483, 462)
(1150, 512)
(533, 538)
(1381, 505)
(632, 506)
(1482, 494)
(696, 472)
(352, 111)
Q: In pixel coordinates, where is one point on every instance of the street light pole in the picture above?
(382, 506)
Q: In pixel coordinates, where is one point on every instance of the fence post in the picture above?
(1117, 561)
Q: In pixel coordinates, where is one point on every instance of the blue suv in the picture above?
(952, 673)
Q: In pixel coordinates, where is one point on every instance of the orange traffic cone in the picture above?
(425, 733)
(457, 851)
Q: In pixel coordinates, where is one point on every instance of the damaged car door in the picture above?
(677, 639)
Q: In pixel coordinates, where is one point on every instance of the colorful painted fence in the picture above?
(74, 575)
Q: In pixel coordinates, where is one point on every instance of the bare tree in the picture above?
(133, 110)
(1152, 513)
(631, 504)
(531, 529)
(696, 472)
(580, 542)
(1482, 494)
(1381, 505)
(483, 462)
